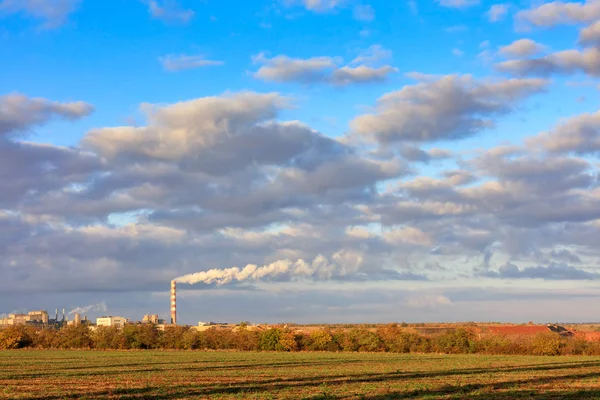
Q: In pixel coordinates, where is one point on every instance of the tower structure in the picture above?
(173, 302)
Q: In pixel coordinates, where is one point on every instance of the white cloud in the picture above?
(169, 11)
(458, 52)
(458, 3)
(283, 68)
(558, 13)
(522, 48)
(413, 6)
(451, 107)
(180, 62)
(497, 12)
(19, 113)
(562, 62)
(364, 13)
(325, 69)
(317, 5)
(54, 13)
(590, 35)
(428, 301)
(580, 135)
(457, 28)
(373, 55)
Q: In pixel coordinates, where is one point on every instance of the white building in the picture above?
(119, 322)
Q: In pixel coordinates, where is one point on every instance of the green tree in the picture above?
(108, 338)
(15, 337)
(48, 338)
(320, 340)
(143, 336)
(459, 341)
(172, 337)
(191, 339)
(270, 340)
(548, 344)
(75, 337)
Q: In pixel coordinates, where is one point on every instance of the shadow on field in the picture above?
(324, 387)
(133, 368)
(84, 371)
(508, 395)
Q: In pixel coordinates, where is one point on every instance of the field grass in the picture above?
(33, 374)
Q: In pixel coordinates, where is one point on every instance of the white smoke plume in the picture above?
(343, 263)
(100, 307)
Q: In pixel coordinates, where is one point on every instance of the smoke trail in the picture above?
(343, 263)
(101, 307)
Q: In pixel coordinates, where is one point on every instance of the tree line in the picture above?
(389, 338)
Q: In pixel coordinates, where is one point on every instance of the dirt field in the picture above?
(223, 375)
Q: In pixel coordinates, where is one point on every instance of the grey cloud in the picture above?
(562, 62)
(215, 156)
(54, 13)
(449, 108)
(218, 181)
(169, 11)
(538, 174)
(180, 62)
(415, 154)
(590, 35)
(284, 68)
(564, 256)
(29, 170)
(558, 13)
(324, 69)
(579, 134)
(19, 113)
(201, 122)
(550, 272)
(361, 74)
(522, 48)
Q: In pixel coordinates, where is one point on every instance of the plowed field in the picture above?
(224, 375)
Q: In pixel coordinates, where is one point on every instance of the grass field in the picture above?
(224, 375)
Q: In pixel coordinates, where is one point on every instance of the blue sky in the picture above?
(397, 139)
(111, 59)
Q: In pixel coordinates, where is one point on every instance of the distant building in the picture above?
(150, 319)
(38, 316)
(119, 322)
(77, 320)
(33, 317)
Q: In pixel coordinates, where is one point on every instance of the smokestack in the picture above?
(174, 302)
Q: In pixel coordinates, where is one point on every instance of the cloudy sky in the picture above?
(355, 160)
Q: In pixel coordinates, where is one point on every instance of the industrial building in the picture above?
(110, 321)
(32, 317)
(151, 319)
(77, 320)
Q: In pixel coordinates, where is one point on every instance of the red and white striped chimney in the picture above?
(173, 302)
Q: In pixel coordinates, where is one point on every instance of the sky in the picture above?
(309, 161)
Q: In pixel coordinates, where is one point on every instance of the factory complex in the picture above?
(41, 318)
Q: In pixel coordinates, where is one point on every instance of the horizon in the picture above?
(305, 160)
